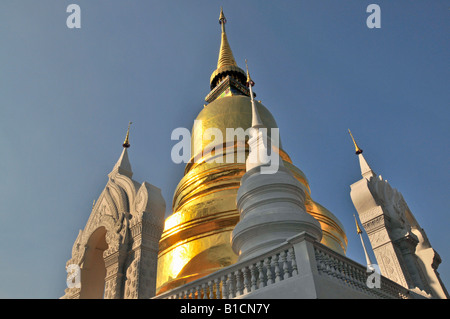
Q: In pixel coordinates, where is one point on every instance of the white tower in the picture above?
(115, 256)
(401, 247)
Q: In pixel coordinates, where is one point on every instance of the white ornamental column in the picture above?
(271, 205)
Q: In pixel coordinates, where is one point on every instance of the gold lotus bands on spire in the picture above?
(226, 63)
(126, 143)
(225, 55)
(357, 149)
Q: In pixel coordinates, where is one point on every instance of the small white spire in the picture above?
(256, 120)
(123, 165)
(366, 171)
(258, 150)
(359, 231)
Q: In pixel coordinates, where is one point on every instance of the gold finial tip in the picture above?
(358, 230)
(357, 149)
(126, 143)
(249, 79)
(222, 18)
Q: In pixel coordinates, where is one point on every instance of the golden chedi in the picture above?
(196, 237)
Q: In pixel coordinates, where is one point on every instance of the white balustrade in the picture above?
(241, 278)
(277, 265)
(346, 272)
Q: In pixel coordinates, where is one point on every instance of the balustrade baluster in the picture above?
(245, 273)
(217, 282)
(239, 285)
(330, 265)
(353, 275)
(285, 265)
(347, 277)
(362, 280)
(211, 289)
(268, 271)
(253, 277)
(323, 264)
(334, 270)
(205, 291)
(262, 283)
(231, 288)
(217, 288)
(293, 261)
(350, 276)
(276, 267)
(341, 276)
(225, 292)
(319, 261)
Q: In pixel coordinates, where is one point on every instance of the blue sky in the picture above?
(67, 95)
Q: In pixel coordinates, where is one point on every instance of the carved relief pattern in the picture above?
(370, 214)
(131, 280)
(389, 265)
(388, 226)
(378, 238)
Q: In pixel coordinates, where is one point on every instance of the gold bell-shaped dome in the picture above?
(196, 238)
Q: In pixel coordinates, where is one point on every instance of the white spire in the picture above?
(271, 204)
(256, 120)
(259, 141)
(359, 231)
(123, 165)
(366, 171)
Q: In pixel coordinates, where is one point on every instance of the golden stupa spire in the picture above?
(126, 143)
(226, 64)
(225, 54)
(357, 149)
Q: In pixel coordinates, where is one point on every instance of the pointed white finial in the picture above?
(366, 171)
(256, 120)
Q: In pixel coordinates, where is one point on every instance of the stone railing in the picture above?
(241, 278)
(282, 263)
(353, 275)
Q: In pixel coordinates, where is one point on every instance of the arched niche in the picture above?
(93, 271)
